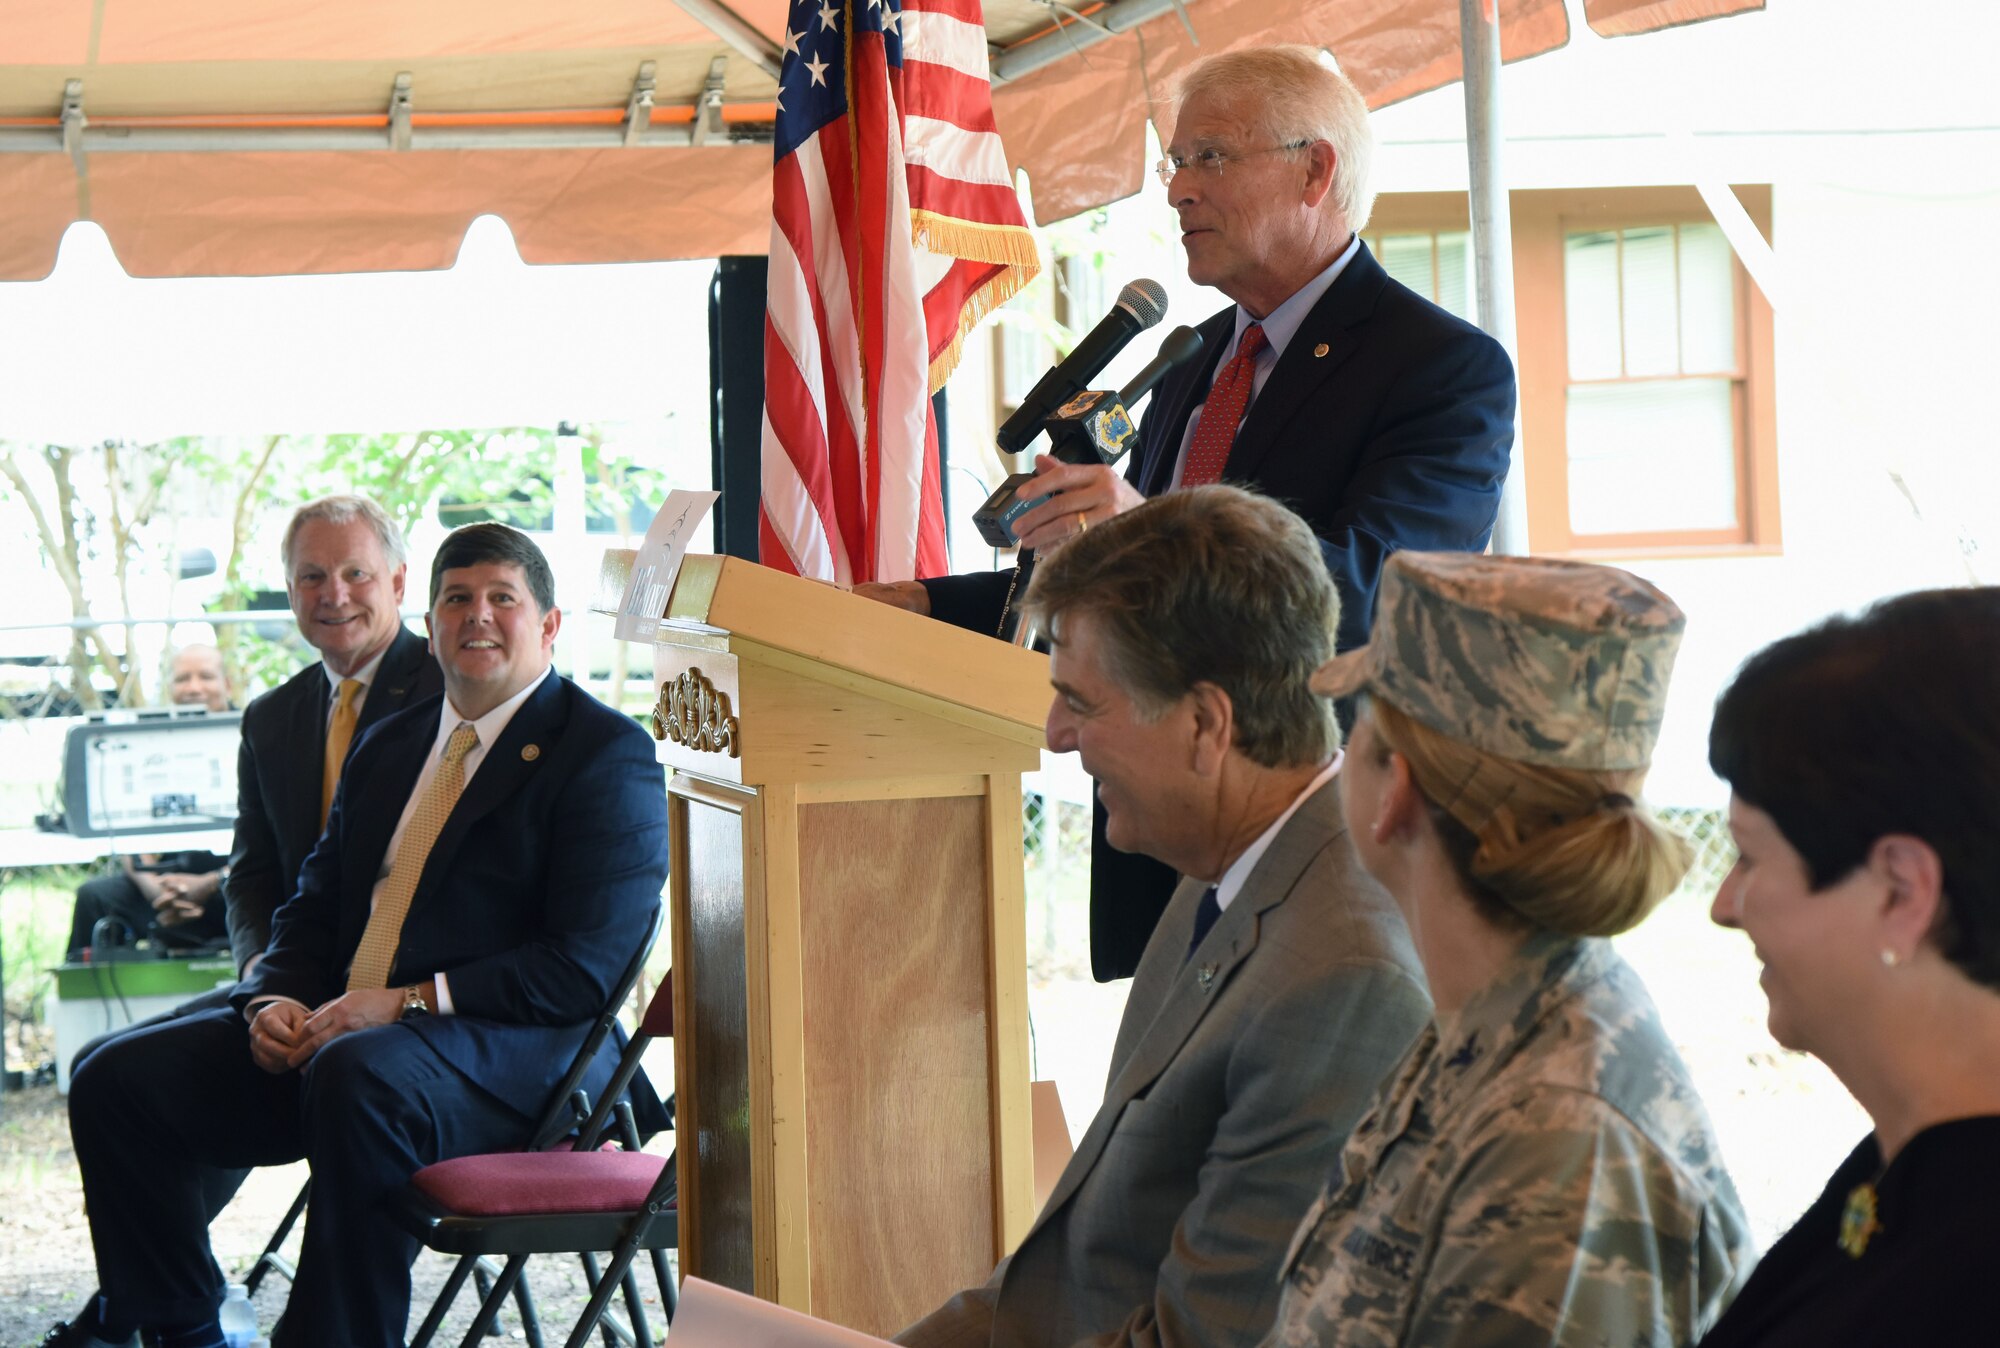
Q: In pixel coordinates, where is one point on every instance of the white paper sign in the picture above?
(715, 1317)
(658, 562)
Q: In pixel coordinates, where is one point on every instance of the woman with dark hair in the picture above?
(1863, 758)
(1539, 1170)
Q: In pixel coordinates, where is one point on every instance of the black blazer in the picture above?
(279, 768)
(532, 900)
(1387, 425)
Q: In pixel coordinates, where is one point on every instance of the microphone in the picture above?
(1140, 305)
(1094, 426)
(1182, 345)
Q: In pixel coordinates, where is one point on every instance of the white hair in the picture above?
(1300, 95)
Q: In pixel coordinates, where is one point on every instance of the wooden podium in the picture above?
(850, 989)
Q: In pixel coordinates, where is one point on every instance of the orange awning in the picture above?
(530, 105)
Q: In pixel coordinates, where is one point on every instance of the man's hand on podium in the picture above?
(903, 594)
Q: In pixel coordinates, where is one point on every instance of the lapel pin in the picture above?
(1321, 349)
(1205, 976)
(530, 752)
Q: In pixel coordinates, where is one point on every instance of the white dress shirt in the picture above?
(1231, 883)
(486, 730)
(365, 676)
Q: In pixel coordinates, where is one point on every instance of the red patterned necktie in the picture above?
(1227, 397)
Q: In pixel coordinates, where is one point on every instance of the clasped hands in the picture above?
(177, 897)
(284, 1035)
(1073, 497)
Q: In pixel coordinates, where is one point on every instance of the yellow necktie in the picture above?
(339, 734)
(377, 950)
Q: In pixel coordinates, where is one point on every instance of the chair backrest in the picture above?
(559, 1119)
(656, 1023)
(659, 1018)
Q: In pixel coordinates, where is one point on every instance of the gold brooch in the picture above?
(530, 752)
(1321, 349)
(1858, 1224)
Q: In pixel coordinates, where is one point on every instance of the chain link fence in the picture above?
(1714, 852)
(1057, 838)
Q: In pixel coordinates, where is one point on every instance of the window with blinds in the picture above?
(1654, 403)
(1437, 264)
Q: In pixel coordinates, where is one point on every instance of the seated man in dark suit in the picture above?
(1280, 986)
(345, 567)
(486, 873)
(1381, 419)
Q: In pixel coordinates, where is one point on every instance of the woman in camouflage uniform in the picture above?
(1539, 1170)
(1863, 759)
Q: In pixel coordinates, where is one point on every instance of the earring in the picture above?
(1890, 959)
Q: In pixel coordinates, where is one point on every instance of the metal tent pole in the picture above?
(1492, 231)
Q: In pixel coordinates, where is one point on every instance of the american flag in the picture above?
(894, 229)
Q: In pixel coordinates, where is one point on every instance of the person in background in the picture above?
(196, 678)
(1280, 986)
(171, 899)
(1863, 760)
(1539, 1170)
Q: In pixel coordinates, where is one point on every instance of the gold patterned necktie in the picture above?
(339, 734)
(377, 950)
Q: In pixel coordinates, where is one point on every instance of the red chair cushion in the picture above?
(532, 1183)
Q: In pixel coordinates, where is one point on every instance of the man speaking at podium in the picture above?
(487, 871)
(1280, 986)
(1384, 421)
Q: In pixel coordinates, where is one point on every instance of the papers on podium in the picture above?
(712, 1316)
(658, 562)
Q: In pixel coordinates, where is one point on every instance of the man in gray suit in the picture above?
(1280, 987)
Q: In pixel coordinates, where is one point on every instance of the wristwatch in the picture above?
(414, 1003)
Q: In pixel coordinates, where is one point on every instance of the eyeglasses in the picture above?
(1209, 162)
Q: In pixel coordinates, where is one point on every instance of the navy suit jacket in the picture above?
(1386, 425)
(532, 901)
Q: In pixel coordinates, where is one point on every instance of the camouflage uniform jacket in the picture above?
(1538, 1171)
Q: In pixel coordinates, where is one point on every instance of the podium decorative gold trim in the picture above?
(694, 713)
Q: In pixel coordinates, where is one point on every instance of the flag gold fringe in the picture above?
(1011, 246)
(980, 303)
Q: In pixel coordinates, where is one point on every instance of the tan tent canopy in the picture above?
(249, 137)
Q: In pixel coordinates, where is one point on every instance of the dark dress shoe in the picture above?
(67, 1335)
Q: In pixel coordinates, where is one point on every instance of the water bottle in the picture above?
(238, 1320)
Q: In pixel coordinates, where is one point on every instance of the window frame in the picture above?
(1542, 220)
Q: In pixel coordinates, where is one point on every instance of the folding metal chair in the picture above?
(595, 1195)
(273, 1259)
(568, 1107)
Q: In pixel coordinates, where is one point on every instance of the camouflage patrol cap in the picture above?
(1536, 659)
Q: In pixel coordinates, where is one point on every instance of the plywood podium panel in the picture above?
(850, 943)
(896, 1047)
